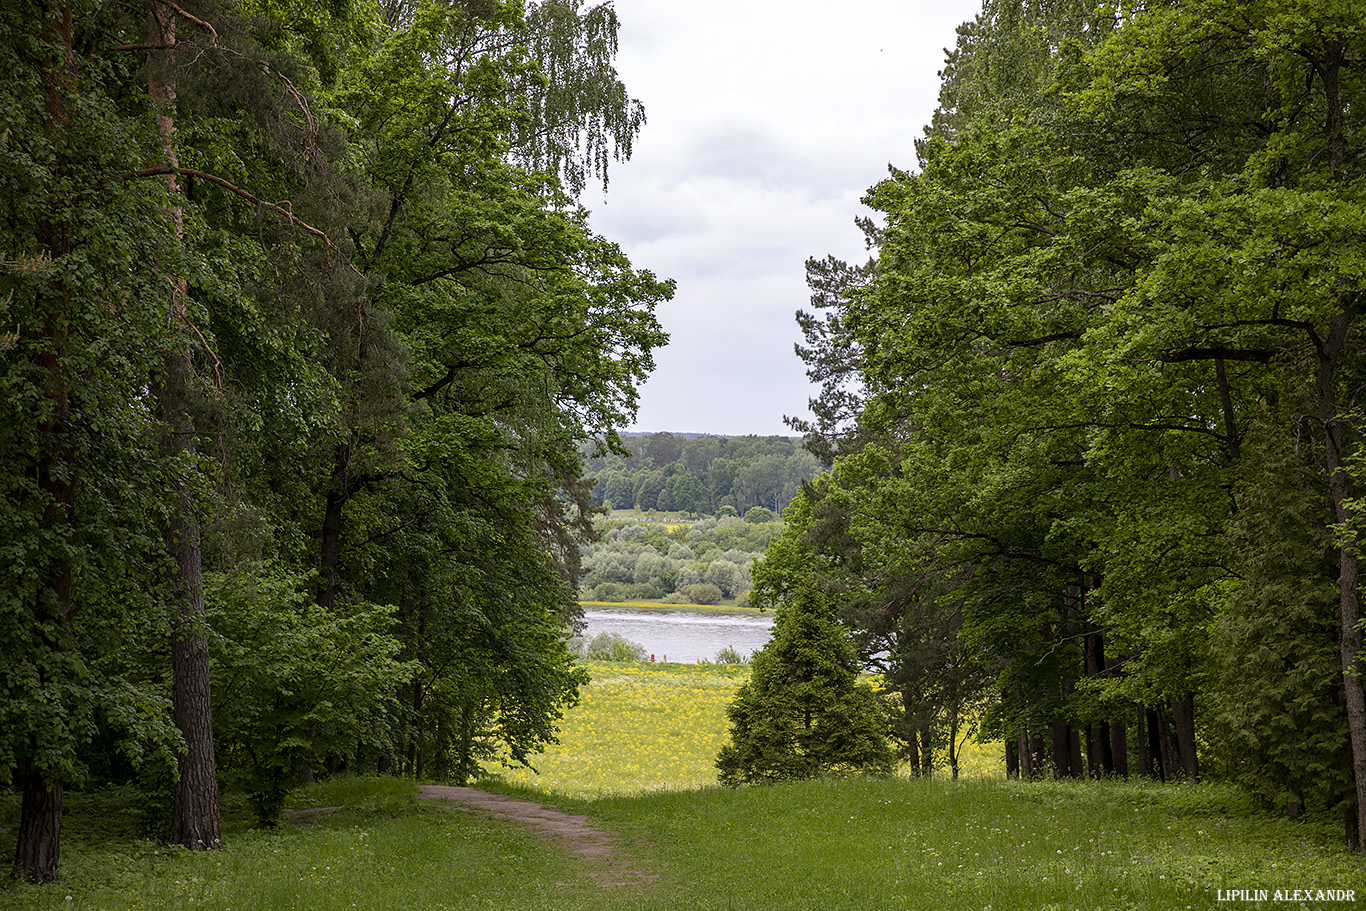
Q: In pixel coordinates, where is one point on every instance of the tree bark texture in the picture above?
(1183, 728)
(1060, 735)
(195, 820)
(40, 829)
(1340, 492)
(329, 555)
(1143, 745)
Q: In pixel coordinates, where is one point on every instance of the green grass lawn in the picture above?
(856, 844)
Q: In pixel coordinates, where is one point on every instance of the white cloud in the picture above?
(767, 122)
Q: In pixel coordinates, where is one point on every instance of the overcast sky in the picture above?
(766, 123)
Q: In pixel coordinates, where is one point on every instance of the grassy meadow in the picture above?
(650, 727)
(635, 757)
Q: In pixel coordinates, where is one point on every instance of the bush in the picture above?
(729, 655)
(611, 591)
(615, 647)
(759, 515)
(702, 593)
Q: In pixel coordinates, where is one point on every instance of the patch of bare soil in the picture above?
(607, 864)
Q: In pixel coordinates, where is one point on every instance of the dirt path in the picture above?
(606, 863)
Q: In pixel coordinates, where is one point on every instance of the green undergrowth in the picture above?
(855, 844)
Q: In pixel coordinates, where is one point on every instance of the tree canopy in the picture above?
(304, 333)
(1089, 408)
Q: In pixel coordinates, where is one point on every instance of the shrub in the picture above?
(702, 593)
(611, 591)
(615, 647)
(759, 515)
(729, 655)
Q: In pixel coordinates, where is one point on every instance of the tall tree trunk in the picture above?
(40, 829)
(1013, 758)
(1157, 744)
(195, 820)
(38, 846)
(1142, 745)
(1166, 745)
(1060, 734)
(1349, 603)
(1119, 748)
(329, 559)
(953, 744)
(1330, 353)
(1036, 751)
(1183, 727)
(913, 751)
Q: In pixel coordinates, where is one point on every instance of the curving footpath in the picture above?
(607, 864)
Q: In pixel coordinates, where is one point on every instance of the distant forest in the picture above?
(707, 475)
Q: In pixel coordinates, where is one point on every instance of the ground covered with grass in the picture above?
(646, 726)
(829, 845)
(635, 758)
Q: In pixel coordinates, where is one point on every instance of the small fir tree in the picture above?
(804, 711)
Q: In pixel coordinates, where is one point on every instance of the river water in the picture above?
(682, 635)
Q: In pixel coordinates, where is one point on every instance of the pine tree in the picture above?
(804, 711)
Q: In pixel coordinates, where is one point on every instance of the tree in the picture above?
(78, 481)
(804, 712)
(1114, 255)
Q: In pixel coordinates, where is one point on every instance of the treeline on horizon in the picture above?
(1092, 410)
(702, 474)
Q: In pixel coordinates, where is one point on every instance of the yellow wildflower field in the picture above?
(648, 727)
(639, 727)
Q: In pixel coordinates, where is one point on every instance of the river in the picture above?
(683, 635)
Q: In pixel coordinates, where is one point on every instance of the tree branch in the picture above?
(278, 208)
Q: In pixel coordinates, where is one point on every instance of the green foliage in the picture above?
(1275, 643)
(728, 655)
(391, 372)
(702, 593)
(294, 684)
(641, 560)
(1120, 287)
(804, 712)
(722, 476)
(82, 491)
(607, 646)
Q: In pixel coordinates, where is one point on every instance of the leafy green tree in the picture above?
(804, 712)
(295, 684)
(1100, 273)
(702, 593)
(79, 481)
